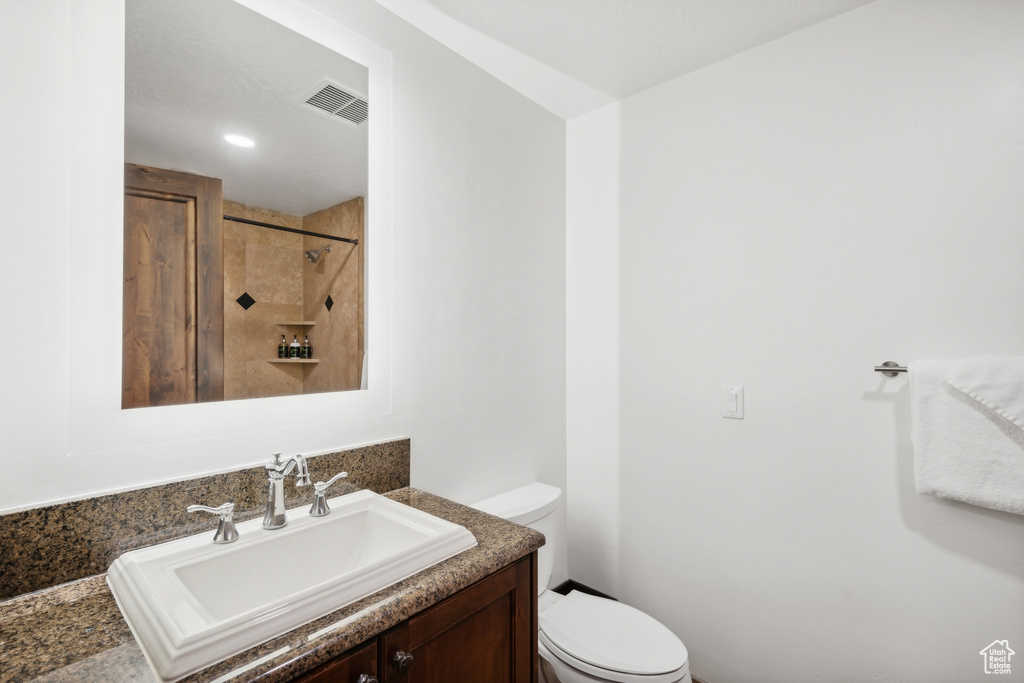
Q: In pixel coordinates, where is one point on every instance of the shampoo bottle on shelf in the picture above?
(307, 350)
(294, 348)
(282, 348)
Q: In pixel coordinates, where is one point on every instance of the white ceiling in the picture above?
(196, 70)
(598, 51)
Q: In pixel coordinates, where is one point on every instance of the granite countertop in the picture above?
(75, 632)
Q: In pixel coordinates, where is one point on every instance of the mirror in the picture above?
(230, 249)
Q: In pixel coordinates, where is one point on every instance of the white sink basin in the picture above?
(192, 603)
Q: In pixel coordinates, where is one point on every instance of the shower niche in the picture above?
(284, 352)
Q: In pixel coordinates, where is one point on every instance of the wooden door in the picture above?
(486, 632)
(173, 319)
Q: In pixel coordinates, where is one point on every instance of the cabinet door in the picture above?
(486, 632)
(361, 662)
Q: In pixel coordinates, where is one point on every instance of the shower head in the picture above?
(314, 256)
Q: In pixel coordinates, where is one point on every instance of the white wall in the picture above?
(477, 292)
(789, 218)
(34, 141)
(479, 261)
(592, 346)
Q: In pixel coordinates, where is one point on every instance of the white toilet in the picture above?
(586, 639)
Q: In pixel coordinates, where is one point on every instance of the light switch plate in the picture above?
(732, 402)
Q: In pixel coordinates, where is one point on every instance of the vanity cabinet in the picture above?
(355, 666)
(486, 632)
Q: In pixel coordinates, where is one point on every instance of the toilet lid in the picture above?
(610, 635)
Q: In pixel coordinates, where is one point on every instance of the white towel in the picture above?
(963, 449)
(997, 382)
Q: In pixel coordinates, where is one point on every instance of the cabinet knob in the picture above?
(402, 661)
(366, 678)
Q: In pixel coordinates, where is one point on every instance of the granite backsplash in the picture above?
(50, 545)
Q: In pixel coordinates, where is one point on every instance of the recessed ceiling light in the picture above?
(239, 140)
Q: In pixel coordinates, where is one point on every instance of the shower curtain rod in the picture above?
(295, 230)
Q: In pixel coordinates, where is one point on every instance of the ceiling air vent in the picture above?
(331, 99)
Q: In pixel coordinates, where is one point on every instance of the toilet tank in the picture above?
(532, 505)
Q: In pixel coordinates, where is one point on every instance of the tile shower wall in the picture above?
(333, 298)
(268, 280)
(267, 265)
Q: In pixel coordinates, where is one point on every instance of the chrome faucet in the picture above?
(277, 470)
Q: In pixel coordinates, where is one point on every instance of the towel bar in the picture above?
(890, 368)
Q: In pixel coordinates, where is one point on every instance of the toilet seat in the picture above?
(611, 640)
(552, 654)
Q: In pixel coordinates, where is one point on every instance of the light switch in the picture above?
(732, 402)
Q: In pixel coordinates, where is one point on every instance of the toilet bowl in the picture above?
(583, 638)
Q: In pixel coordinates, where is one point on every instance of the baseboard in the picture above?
(570, 585)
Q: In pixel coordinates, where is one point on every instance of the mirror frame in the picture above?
(248, 428)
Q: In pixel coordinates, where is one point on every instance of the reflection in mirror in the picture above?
(245, 178)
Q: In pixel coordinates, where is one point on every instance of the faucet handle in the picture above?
(226, 531)
(279, 468)
(319, 507)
